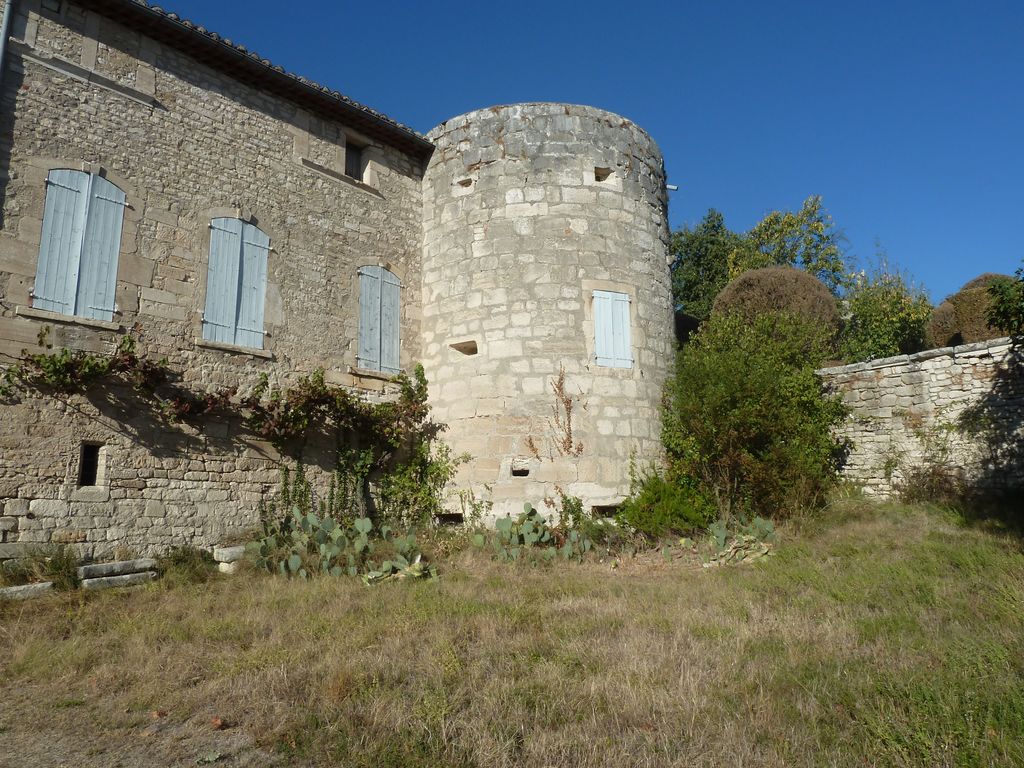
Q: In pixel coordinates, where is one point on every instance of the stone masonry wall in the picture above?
(909, 413)
(528, 209)
(186, 143)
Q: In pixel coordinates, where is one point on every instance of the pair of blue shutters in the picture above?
(236, 282)
(81, 238)
(379, 304)
(612, 343)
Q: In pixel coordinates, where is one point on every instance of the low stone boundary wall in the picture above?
(956, 410)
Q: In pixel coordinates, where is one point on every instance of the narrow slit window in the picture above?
(89, 465)
(520, 471)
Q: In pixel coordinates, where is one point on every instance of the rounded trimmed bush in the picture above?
(962, 317)
(778, 290)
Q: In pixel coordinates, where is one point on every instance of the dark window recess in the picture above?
(608, 511)
(520, 472)
(354, 161)
(465, 347)
(88, 464)
(450, 518)
(465, 182)
(602, 174)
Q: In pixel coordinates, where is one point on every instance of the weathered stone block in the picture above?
(125, 580)
(228, 554)
(116, 568)
(25, 591)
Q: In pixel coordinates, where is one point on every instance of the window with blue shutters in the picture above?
(612, 342)
(236, 283)
(79, 245)
(379, 305)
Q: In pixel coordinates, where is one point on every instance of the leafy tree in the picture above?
(746, 417)
(807, 239)
(700, 265)
(1006, 310)
(887, 315)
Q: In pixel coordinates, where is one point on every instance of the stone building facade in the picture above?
(491, 240)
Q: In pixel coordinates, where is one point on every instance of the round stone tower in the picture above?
(547, 317)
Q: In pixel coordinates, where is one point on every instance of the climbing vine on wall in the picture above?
(67, 372)
(379, 434)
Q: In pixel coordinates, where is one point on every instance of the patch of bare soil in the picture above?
(80, 731)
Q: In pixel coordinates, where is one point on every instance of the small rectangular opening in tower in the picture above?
(467, 347)
(602, 174)
(520, 471)
(450, 519)
(88, 464)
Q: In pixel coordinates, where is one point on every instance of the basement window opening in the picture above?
(602, 174)
(606, 511)
(451, 519)
(89, 464)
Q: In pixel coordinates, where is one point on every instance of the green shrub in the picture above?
(747, 419)
(963, 318)
(658, 506)
(412, 493)
(1006, 304)
(186, 565)
(58, 564)
(887, 317)
(774, 290)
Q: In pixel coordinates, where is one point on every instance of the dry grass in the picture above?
(894, 637)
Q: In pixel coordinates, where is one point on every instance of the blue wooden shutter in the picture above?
(101, 246)
(222, 280)
(368, 355)
(390, 306)
(622, 351)
(252, 287)
(612, 341)
(60, 245)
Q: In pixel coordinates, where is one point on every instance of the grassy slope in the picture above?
(894, 637)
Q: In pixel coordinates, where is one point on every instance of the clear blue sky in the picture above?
(906, 116)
